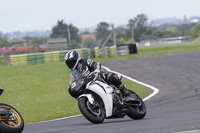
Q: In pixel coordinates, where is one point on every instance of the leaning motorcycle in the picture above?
(11, 120)
(98, 100)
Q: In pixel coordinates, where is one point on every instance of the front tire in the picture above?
(11, 126)
(91, 113)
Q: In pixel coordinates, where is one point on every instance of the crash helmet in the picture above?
(72, 59)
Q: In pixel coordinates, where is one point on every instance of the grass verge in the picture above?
(40, 92)
(157, 50)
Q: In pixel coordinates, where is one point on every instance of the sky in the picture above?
(28, 15)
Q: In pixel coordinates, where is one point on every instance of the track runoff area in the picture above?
(155, 91)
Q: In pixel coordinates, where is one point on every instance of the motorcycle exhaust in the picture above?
(134, 103)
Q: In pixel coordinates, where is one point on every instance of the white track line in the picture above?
(155, 91)
(193, 131)
(55, 119)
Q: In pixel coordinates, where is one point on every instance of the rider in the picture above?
(88, 66)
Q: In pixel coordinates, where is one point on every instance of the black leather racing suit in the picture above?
(88, 66)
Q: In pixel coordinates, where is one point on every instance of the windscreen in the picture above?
(75, 75)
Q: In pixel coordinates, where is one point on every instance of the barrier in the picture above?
(85, 53)
(62, 55)
(57, 56)
(31, 59)
(35, 58)
(96, 51)
(110, 51)
(113, 51)
(16, 60)
(23, 60)
(40, 58)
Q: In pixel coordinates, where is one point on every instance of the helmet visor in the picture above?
(71, 63)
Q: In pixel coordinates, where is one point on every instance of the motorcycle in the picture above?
(11, 120)
(98, 100)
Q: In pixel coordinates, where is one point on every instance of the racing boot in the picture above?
(128, 97)
(124, 90)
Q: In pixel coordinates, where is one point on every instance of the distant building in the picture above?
(18, 42)
(84, 36)
(195, 21)
(57, 44)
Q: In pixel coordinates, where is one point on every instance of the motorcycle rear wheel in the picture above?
(137, 112)
(94, 115)
(11, 126)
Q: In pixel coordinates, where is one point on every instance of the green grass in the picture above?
(157, 50)
(40, 92)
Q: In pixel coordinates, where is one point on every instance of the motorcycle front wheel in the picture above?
(15, 124)
(92, 112)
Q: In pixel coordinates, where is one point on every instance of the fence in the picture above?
(172, 40)
(5, 60)
(48, 57)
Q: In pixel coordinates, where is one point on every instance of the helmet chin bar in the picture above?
(76, 63)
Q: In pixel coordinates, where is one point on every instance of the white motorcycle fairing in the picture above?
(104, 91)
(89, 97)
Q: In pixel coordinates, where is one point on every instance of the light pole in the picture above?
(132, 32)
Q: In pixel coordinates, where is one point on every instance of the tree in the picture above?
(139, 21)
(186, 29)
(74, 44)
(137, 26)
(196, 31)
(102, 31)
(120, 38)
(74, 33)
(62, 30)
(89, 42)
(3, 42)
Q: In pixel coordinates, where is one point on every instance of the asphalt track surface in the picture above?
(175, 108)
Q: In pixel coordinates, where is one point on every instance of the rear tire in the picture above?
(137, 112)
(94, 115)
(15, 126)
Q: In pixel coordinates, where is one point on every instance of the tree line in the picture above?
(137, 30)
